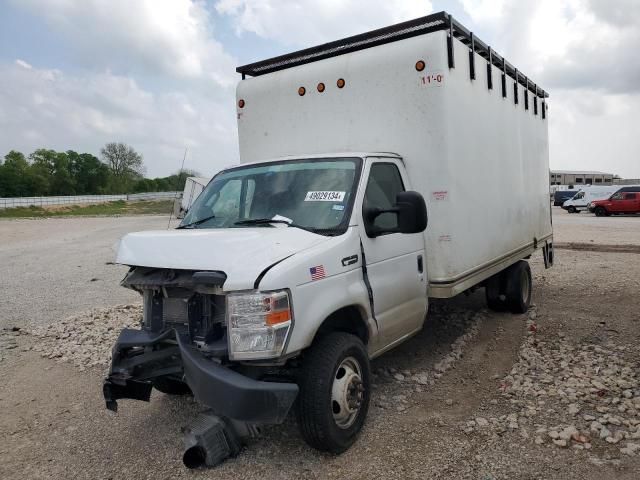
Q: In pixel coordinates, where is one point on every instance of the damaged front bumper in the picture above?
(139, 356)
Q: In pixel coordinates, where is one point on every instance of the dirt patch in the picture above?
(592, 247)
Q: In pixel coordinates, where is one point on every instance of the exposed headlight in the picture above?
(258, 324)
(591, 205)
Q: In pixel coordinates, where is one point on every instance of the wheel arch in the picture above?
(348, 319)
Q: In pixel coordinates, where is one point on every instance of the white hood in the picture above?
(241, 253)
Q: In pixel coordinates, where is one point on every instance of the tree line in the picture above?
(47, 172)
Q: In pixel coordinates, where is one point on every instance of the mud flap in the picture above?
(548, 254)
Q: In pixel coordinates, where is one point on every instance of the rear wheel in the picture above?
(494, 290)
(600, 212)
(518, 287)
(335, 388)
(170, 386)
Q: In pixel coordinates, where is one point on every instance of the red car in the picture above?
(620, 202)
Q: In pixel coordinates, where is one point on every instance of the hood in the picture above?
(241, 253)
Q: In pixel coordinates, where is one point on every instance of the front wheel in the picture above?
(600, 212)
(335, 388)
(571, 209)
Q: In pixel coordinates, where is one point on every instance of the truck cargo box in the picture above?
(454, 112)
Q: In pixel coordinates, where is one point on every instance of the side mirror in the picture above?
(411, 212)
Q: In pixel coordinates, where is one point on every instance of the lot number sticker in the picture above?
(324, 196)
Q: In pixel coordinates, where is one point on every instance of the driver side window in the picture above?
(384, 183)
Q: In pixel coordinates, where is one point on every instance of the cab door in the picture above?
(629, 202)
(395, 262)
(621, 202)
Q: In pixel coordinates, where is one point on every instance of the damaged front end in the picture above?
(184, 338)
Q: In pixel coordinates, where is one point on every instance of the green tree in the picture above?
(90, 175)
(13, 175)
(126, 166)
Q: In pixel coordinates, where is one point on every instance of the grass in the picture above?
(119, 207)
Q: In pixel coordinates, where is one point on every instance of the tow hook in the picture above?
(210, 439)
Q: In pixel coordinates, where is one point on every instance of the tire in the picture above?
(328, 369)
(494, 290)
(571, 209)
(518, 287)
(170, 386)
(600, 212)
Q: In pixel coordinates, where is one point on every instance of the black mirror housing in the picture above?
(412, 212)
(410, 209)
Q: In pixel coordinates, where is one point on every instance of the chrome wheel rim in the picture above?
(347, 392)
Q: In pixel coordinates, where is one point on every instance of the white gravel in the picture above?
(564, 393)
(86, 340)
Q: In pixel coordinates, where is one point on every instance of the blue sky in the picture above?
(160, 74)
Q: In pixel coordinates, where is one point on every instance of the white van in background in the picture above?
(586, 195)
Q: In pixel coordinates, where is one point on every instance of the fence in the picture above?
(12, 202)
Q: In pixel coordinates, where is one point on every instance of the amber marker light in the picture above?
(275, 318)
(241, 103)
(321, 87)
(420, 65)
(302, 91)
(340, 82)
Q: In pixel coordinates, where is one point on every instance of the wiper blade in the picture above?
(197, 222)
(264, 221)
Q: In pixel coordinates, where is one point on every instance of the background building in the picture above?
(626, 181)
(572, 177)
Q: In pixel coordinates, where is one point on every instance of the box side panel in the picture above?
(497, 153)
(380, 108)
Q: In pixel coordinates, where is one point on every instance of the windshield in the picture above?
(578, 196)
(314, 194)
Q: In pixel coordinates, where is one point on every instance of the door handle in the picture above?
(420, 264)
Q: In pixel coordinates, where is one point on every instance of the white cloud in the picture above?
(584, 52)
(23, 64)
(49, 109)
(308, 22)
(589, 131)
(587, 44)
(171, 37)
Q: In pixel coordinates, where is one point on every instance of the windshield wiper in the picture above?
(264, 221)
(197, 222)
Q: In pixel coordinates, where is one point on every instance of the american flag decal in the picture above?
(317, 272)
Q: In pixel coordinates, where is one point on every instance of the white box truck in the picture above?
(581, 200)
(295, 268)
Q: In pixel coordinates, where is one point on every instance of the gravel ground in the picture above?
(585, 227)
(477, 394)
(55, 267)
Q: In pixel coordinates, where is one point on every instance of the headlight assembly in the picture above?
(258, 324)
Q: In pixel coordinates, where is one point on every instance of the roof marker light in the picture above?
(420, 65)
(340, 83)
(241, 103)
(302, 91)
(321, 87)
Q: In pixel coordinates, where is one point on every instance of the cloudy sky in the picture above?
(160, 74)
